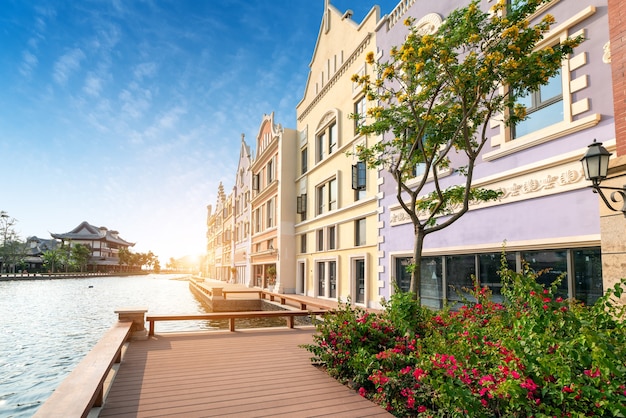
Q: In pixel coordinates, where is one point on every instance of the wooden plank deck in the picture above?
(251, 373)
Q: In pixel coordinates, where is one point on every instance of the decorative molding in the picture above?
(606, 56)
(429, 24)
(542, 182)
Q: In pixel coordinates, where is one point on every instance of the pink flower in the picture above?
(421, 409)
(515, 374)
(545, 307)
(418, 374)
(567, 389)
(362, 391)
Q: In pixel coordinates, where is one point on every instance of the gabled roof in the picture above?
(88, 232)
(332, 19)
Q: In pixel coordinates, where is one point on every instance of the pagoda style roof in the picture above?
(88, 232)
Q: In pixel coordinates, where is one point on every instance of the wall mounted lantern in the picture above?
(596, 166)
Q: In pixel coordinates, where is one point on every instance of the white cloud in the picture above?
(146, 69)
(93, 85)
(29, 63)
(67, 64)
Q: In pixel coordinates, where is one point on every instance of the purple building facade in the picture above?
(547, 215)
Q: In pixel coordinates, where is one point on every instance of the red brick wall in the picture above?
(617, 32)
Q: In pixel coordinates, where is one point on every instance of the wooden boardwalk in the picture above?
(252, 373)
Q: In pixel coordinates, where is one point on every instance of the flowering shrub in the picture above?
(536, 354)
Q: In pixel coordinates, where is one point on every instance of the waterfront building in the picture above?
(242, 216)
(105, 244)
(273, 207)
(547, 215)
(336, 198)
(35, 248)
(219, 233)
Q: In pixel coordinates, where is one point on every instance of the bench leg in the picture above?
(151, 333)
(290, 321)
(231, 324)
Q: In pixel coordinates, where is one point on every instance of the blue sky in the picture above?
(128, 114)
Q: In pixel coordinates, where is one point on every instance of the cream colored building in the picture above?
(337, 223)
(273, 206)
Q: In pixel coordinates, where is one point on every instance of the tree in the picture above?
(80, 255)
(52, 258)
(12, 249)
(436, 96)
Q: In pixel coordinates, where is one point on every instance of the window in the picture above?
(257, 220)
(332, 138)
(544, 107)
(301, 205)
(358, 176)
(327, 196)
(303, 243)
(270, 213)
(255, 182)
(359, 227)
(321, 279)
(332, 239)
(320, 142)
(304, 157)
(360, 111)
(332, 278)
(270, 171)
(320, 240)
(359, 272)
(326, 142)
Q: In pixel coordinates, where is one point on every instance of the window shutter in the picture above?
(358, 176)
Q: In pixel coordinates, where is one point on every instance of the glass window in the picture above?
(431, 286)
(332, 194)
(320, 240)
(403, 277)
(332, 138)
(488, 272)
(360, 110)
(332, 278)
(544, 107)
(304, 156)
(332, 245)
(459, 272)
(587, 275)
(359, 267)
(321, 142)
(359, 226)
(303, 243)
(551, 264)
(321, 279)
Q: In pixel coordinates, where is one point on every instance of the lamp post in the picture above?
(596, 166)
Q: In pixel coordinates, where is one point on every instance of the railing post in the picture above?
(138, 317)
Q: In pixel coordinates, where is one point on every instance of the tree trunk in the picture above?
(416, 275)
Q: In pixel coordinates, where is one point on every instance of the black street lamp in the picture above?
(596, 166)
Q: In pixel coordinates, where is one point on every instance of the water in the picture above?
(47, 327)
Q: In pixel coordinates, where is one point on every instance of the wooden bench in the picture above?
(231, 316)
(83, 388)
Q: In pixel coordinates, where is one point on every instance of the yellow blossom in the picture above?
(369, 58)
(354, 78)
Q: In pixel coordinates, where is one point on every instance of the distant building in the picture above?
(35, 248)
(105, 244)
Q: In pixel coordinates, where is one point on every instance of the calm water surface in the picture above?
(47, 327)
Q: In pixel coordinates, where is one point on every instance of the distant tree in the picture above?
(80, 256)
(436, 97)
(52, 258)
(12, 248)
(157, 266)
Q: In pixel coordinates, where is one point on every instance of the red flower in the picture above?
(567, 389)
(362, 391)
(421, 409)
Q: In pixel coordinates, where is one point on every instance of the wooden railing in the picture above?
(232, 316)
(83, 388)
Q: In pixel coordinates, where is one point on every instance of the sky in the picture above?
(128, 114)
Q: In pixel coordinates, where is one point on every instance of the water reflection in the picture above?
(47, 327)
